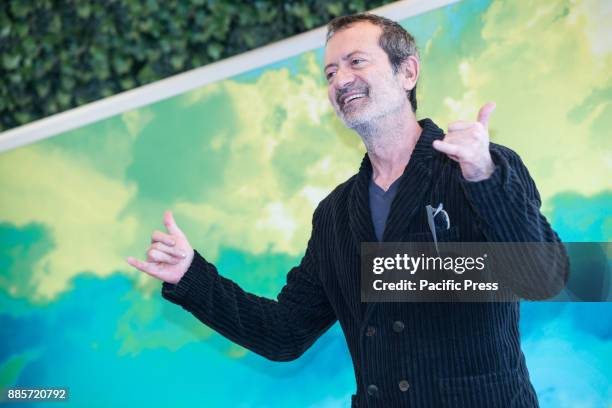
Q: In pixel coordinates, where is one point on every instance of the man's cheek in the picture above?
(331, 99)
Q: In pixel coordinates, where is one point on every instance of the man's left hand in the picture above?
(468, 144)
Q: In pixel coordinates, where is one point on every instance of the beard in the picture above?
(352, 112)
(358, 114)
(364, 113)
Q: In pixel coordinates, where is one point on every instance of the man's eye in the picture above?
(356, 61)
(330, 75)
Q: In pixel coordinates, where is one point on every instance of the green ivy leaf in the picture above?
(42, 89)
(23, 117)
(63, 99)
(21, 9)
(177, 62)
(83, 10)
(10, 62)
(214, 50)
(122, 65)
(127, 83)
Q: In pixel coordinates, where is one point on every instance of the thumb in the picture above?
(485, 113)
(171, 224)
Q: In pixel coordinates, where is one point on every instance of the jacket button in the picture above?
(404, 385)
(398, 326)
(371, 330)
(372, 390)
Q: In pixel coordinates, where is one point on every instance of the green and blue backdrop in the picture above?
(243, 161)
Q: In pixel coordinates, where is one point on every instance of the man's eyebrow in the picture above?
(349, 55)
(329, 66)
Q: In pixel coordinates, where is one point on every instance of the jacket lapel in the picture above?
(362, 230)
(415, 183)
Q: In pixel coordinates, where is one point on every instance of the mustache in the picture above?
(360, 88)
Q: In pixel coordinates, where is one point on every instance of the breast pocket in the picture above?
(442, 235)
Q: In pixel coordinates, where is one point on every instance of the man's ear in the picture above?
(409, 70)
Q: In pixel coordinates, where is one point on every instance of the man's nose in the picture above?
(344, 77)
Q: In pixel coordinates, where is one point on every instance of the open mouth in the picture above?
(351, 97)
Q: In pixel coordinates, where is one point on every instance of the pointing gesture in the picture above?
(169, 255)
(468, 144)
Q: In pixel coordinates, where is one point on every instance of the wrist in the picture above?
(483, 173)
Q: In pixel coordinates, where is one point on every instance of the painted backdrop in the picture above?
(243, 162)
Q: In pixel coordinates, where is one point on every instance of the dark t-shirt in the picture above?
(380, 204)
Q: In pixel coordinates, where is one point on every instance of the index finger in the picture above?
(454, 150)
(149, 268)
(162, 237)
(460, 125)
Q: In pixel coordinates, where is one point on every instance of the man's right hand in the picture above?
(169, 255)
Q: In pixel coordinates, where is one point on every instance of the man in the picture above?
(404, 354)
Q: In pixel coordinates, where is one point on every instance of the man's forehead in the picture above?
(362, 36)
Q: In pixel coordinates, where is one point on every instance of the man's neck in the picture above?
(390, 142)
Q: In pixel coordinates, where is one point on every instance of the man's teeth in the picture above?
(350, 98)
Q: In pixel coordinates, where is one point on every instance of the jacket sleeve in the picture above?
(281, 329)
(507, 206)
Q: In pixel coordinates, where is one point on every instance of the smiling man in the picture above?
(404, 354)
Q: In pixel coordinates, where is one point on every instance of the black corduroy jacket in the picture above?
(404, 354)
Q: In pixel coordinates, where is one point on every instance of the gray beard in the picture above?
(368, 133)
(377, 130)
